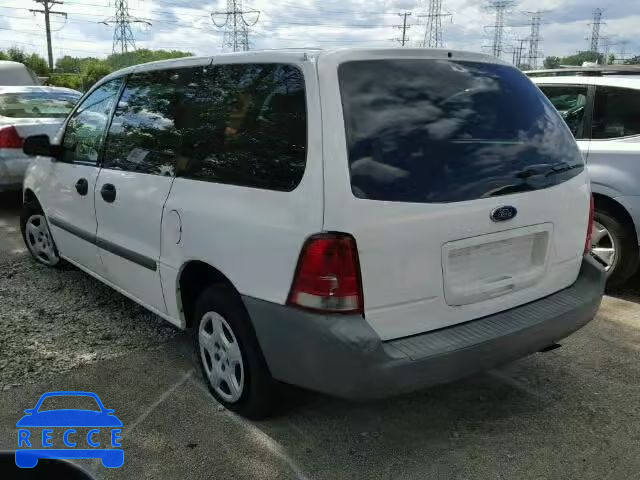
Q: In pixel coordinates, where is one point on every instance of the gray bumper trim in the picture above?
(343, 356)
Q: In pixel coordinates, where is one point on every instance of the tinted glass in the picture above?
(144, 135)
(444, 131)
(85, 131)
(37, 104)
(570, 102)
(242, 124)
(616, 113)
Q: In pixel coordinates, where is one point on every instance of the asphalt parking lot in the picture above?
(573, 412)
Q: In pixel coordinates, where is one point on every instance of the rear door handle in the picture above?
(82, 186)
(108, 192)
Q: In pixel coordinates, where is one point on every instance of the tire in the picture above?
(32, 214)
(625, 246)
(221, 320)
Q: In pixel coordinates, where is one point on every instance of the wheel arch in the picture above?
(608, 204)
(193, 277)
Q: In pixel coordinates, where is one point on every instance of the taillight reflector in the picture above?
(328, 278)
(9, 138)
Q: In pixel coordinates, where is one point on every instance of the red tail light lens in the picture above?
(9, 138)
(587, 242)
(328, 275)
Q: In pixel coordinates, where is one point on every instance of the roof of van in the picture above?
(299, 54)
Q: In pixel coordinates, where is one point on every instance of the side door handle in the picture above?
(108, 192)
(82, 186)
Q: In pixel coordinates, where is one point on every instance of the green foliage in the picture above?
(32, 61)
(579, 58)
(552, 62)
(633, 60)
(121, 60)
(67, 80)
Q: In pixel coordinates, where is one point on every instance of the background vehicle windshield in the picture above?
(445, 131)
(37, 104)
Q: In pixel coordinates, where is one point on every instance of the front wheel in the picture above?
(614, 245)
(37, 237)
(230, 358)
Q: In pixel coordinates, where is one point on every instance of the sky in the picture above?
(187, 25)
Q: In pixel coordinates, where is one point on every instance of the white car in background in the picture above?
(25, 111)
(16, 73)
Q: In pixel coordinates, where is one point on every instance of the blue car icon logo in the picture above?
(84, 433)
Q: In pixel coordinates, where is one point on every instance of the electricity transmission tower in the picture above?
(433, 31)
(404, 38)
(46, 4)
(594, 40)
(500, 6)
(534, 38)
(236, 25)
(123, 40)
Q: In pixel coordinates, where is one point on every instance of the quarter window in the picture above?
(570, 101)
(85, 131)
(616, 113)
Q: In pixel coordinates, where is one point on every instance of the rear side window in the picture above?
(616, 113)
(242, 124)
(571, 102)
(442, 131)
(37, 104)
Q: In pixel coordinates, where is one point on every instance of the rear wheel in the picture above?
(614, 245)
(37, 237)
(229, 355)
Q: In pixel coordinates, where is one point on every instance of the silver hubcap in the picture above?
(39, 240)
(221, 356)
(602, 246)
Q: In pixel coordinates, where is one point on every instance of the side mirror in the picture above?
(40, 145)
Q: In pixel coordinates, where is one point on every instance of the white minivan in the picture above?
(359, 222)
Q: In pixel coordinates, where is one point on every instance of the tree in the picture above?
(581, 57)
(552, 62)
(38, 64)
(94, 72)
(633, 60)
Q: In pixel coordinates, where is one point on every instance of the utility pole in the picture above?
(236, 25)
(594, 39)
(433, 31)
(404, 27)
(46, 4)
(517, 52)
(500, 6)
(123, 39)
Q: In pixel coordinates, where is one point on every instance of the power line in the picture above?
(122, 33)
(404, 27)
(433, 31)
(594, 40)
(236, 26)
(500, 6)
(46, 4)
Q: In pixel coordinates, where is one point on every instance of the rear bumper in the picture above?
(12, 171)
(343, 356)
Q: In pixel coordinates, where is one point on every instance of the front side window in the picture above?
(47, 104)
(145, 134)
(242, 124)
(570, 101)
(436, 131)
(85, 131)
(616, 113)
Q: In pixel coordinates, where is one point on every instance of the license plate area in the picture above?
(493, 265)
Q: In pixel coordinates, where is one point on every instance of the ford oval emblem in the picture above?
(501, 214)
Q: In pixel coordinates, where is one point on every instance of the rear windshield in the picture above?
(37, 104)
(444, 131)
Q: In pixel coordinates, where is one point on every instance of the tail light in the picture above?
(587, 242)
(9, 138)
(327, 278)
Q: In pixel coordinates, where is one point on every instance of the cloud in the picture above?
(187, 25)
